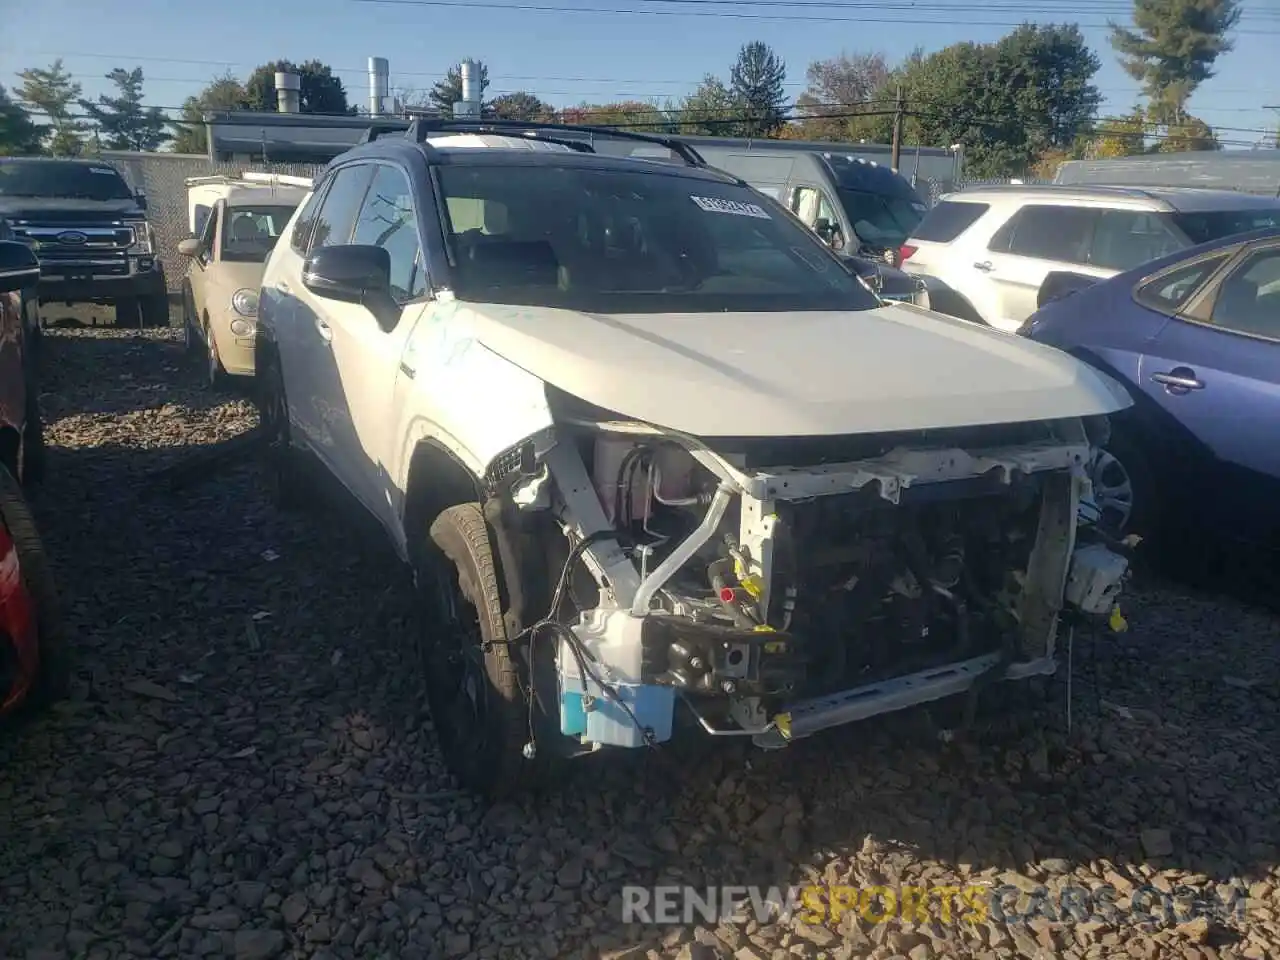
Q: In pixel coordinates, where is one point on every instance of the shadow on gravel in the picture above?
(87, 364)
(247, 757)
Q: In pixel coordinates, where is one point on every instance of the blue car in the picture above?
(1195, 337)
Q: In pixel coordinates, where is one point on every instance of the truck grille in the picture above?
(103, 250)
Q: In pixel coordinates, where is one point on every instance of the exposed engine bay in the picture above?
(775, 601)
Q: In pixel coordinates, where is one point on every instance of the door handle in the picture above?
(985, 266)
(1179, 380)
(325, 331)
(283, 286)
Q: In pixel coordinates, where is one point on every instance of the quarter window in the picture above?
(1168, 292)
(387, 220)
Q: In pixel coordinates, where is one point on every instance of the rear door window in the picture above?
(1124, 239)
(1049, 232)
(948, 220)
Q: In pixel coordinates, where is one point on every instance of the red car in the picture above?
(33, 653)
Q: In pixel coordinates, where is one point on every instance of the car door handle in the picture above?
(325, 331)
(985, 266)
(1185, 381)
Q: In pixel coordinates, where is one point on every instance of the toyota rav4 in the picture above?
(655, 454)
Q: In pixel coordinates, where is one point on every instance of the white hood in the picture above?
(896, 367)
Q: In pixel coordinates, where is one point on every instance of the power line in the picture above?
(631, 11)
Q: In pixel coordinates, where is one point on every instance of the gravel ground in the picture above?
(244, 770)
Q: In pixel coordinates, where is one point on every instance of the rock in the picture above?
(457, 944)
(294, 908)
(570, 874)
(150, 689)
(258, 944)
(1156, 843)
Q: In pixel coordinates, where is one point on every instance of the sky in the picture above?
(568, 51)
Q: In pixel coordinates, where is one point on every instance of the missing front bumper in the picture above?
(808, 717)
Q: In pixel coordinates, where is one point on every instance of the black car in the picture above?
(91, 233)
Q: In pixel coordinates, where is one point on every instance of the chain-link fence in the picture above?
(162, 178)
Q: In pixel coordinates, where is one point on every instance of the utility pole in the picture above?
(896, 153)
(1274, 106)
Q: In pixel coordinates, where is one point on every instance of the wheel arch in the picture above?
(436, 479)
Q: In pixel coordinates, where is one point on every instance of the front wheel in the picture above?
(153, 310)
(273, 415)
(1124, 487)
(482, 715)
(215, 375)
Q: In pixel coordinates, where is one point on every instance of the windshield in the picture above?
(1205, 226)
(609, 241)
(250, 233)
(880, 220)
(50, 178)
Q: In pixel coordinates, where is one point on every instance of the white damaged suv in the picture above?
(656, 456)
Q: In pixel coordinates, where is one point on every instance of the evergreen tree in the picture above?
(756, 81)
(123, 122)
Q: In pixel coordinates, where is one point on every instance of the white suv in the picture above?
(984, 253)
(655, 454)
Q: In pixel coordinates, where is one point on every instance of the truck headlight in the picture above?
(245, 302)
(143, 241)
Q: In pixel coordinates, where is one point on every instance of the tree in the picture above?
(123, 122)
(222, 93)
(1172, 48)
(520, 106)
(19, 134)
(52, 92)
(1190, 134)
(1008, 102)
(835, 89)
(319, 90)
(636, 115)
(757, 82)
(448, 91)
(1120, 137)
(712, 110)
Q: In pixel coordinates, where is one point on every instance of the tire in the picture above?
(215, 375)
(1145, 513)
(283, 477)
(153, 311)
(190, 342)
(53, 681)
(482, 740)
(128, 313)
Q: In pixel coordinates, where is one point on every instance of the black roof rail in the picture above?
(423, 126)
(377, 130)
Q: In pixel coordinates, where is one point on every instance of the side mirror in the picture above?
(141, 198)
(824, 229)
(190, 247)
(354, 273)
(19, 267)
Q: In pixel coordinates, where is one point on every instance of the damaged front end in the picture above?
(777, 588)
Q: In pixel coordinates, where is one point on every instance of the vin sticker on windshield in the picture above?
(735, 207)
